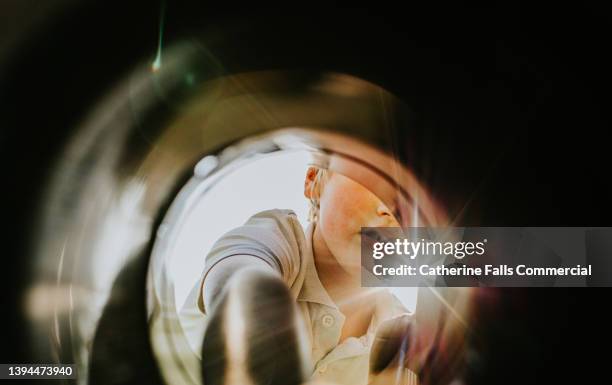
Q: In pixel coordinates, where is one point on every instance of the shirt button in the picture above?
(322, 369)
(327, 320)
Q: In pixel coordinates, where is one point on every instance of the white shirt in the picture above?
(277, 237)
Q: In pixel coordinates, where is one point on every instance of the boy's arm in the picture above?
(253, 334)
(221, 273)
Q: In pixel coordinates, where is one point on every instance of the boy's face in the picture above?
(345, 207)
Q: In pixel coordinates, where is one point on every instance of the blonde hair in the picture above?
(320, 178)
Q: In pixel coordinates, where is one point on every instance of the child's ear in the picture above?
(311, 174)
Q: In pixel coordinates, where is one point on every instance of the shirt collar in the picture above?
(312, 289)
(387, 305)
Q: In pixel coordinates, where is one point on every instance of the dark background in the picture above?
(511, 105)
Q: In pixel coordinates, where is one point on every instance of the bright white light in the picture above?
(275, 181)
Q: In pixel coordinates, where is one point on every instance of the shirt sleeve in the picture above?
(272, 236)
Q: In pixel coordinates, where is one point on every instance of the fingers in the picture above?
(391, 341)
(432, 343)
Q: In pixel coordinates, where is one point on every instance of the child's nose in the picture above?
(382, 210)
(385, 214)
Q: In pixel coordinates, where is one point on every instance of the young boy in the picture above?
(256, 274)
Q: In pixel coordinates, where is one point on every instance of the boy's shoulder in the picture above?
(265, 225)
(282, 221)
(274, 235)
(276, 213)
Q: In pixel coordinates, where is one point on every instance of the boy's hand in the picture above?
(253, 334)
(430, 344)
(388, 356)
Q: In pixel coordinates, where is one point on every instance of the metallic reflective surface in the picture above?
(109, 191)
